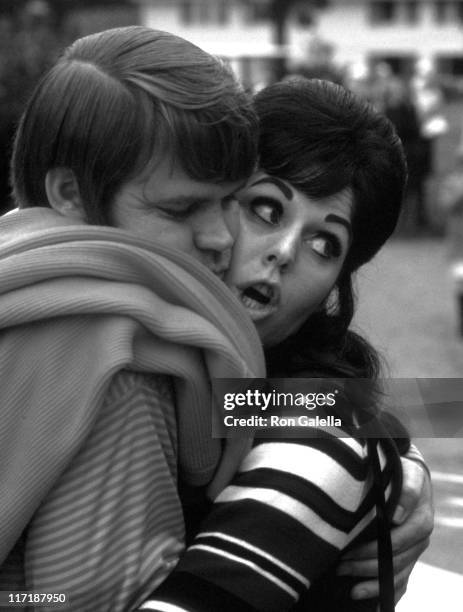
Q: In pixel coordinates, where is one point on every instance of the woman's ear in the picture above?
(63, 193)
(331, 302)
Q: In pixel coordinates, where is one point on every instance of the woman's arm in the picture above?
(282, 522)
(414, 519)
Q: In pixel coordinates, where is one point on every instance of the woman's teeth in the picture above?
(249, 302)
(257, 296)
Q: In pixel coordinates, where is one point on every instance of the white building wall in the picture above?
(345, 24)
(236, 38)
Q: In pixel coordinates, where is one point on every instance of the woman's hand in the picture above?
(414, 518)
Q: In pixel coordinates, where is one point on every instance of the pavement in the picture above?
(408, 310)
(431, 589)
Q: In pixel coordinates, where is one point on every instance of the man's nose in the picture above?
(214, 237)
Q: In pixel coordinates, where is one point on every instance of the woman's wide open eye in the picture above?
(326, 245)
(267, 209)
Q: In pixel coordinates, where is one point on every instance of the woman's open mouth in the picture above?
(259, 299)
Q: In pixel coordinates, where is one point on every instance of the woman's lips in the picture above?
(260, 298)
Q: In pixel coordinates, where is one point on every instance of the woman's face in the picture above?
(289, 253)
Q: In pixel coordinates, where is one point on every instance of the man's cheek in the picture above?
(232, 218)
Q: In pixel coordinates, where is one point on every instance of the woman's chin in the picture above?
(260, 314)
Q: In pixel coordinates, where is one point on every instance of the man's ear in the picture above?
(63, 193)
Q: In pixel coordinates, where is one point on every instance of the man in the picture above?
(109, 337)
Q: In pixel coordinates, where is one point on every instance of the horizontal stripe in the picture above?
(67, 561)
(102, 499)
(329, 475)
(208, 570)
(348, 451)
(253, 566)
(289, 506)
(290, 541)
(161, 606)
(108, 521)
(98, 500)
(257, 551)
(357, 446)
(302, 490)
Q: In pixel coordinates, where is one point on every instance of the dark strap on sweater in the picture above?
(385, 563)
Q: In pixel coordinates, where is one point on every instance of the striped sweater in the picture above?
(275, 533)
(111, 528)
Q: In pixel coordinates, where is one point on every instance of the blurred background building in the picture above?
(358, 33)
(377, 47)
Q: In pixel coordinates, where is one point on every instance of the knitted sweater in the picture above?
(275, 534)
(96, 325)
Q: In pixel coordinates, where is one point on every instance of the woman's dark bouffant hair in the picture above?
(323, 139)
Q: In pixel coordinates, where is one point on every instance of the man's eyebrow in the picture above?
(282, 186)
(337, 219)
(181, 200)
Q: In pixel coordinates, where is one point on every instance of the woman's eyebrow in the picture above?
(282, 186)
(337, 219)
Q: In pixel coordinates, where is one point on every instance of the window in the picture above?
(304, 16)
(259, 10)
(186, 11)
(402, 65)
(457, 66)
(452, 64)
(441, 11)
(203, 14)
(411, 11)
(222, 11)
(459, 8)
(204, 11)
(382, 12)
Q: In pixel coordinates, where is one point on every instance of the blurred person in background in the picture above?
(428, 99)
(414, 107)
(450, 200)
(399, 106)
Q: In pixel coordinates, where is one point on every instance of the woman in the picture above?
(326, 198)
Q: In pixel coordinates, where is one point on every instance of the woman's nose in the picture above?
(282, 252)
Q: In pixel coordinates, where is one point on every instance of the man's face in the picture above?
(166, 206)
